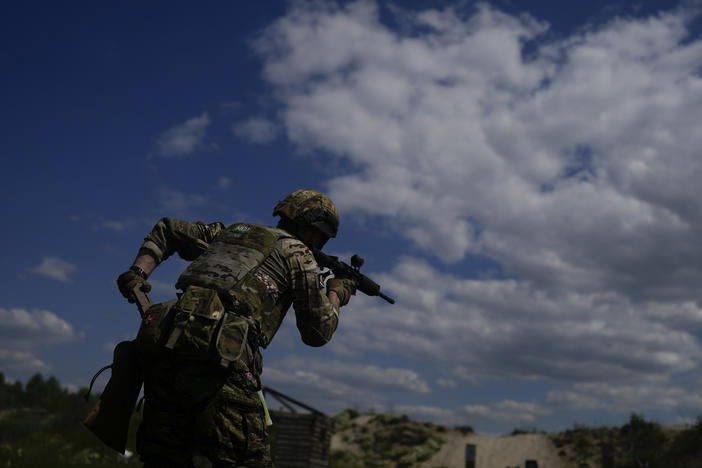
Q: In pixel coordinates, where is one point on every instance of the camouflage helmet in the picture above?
(310, 208)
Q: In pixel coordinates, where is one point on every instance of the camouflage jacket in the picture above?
(291, 269)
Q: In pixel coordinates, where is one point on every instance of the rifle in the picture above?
(343, 270)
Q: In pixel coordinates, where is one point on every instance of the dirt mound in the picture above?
(496, 451)
(378, 440)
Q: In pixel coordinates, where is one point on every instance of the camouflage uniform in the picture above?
(197, 408)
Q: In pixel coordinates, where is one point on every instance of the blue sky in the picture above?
(523, 179)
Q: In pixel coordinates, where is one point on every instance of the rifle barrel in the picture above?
(389, 299)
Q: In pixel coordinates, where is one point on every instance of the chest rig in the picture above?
(224, 288)
(217, 317)
(238, 250)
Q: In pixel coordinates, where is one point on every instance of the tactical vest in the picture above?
(229, 266)
(218, 315)
(238, 250)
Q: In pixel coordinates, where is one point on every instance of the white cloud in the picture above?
(30, 329)
(54, 268)
(224, 182)
(162, 287)
(507, 410)
(24, 332)
(507, 329)
(71, 388)
(333, 385)
(574, 166)
(449, 383)
(13, 360)
(256, 130)
(118, 225)
(185, 138)
(626, 398)
(114, 225)
(316, 390)
(361, 375)
(569, 167)
(176, 203)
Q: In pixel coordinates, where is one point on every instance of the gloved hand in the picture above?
(343, 287)
(128, 280)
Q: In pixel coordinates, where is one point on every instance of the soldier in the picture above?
(201, 402)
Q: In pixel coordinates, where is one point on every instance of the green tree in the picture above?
(40, 393)
(686, 448)
(646, 440)
(10, 393)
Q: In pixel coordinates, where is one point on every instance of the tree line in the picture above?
(41, 424)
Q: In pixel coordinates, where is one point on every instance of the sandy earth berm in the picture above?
(497, 451)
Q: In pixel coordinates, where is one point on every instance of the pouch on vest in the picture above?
(196, 318)
(155, 329)
(232, 340)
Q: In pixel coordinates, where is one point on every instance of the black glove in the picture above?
(128, 280)
(343, 287)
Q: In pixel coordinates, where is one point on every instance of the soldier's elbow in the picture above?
(314, 339)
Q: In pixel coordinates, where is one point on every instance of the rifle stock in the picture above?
(143, 301)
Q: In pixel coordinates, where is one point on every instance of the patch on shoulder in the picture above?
(266, 281)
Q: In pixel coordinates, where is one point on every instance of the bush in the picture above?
(344, 459)
(342, 420)
(644, 440)
(686, 447)
(465, 430)
(526, 430)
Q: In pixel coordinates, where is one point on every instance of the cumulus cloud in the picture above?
(334, 384)
(256, 130)
(507, 410)
(176, 203)
(450, 383)
(184, 138)
(605, 351)
(369, 376)
(12, 360)
(54, 268)
(573, 163)
(109, 346)
(505, 328)
(224, 182)
(163, 288)
(570, 165)
(26, 329)
(623, 398)
(322, 393)
(23, 332)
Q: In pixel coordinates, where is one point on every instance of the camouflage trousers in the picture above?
(197, 417)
